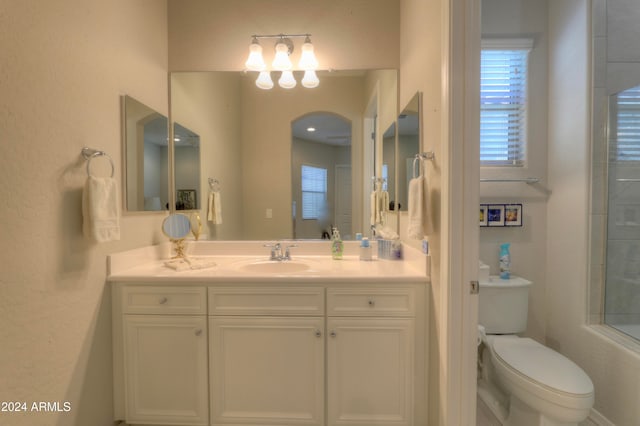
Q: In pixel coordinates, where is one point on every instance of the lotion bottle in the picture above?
(365, 249)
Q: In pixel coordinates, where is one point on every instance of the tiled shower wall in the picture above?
(616, 67)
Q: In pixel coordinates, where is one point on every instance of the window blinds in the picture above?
(314, 190)
(627, 132)
(503, 106)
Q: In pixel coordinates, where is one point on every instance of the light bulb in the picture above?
(281, 61)
(308, 59)
(255, 62)
(286, 80)
(310, 79)
(264, 80)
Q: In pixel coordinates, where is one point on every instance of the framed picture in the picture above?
(513, 215)
(495, 215)
(483, 215)
(186, 199)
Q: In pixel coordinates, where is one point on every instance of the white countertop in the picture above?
(147, 264)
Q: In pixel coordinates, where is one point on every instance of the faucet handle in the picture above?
(287, 253)
(275, 250)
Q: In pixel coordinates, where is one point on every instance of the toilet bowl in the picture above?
(522, 381)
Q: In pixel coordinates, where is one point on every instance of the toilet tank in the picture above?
(503, 305)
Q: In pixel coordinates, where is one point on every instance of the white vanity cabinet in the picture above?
(164, 354)
(370, 356)
(267, 355)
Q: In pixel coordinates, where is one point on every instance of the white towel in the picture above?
(214, 214)
(417, 210)
(101, 215)
(379, 206)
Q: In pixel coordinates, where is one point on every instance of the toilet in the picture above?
(523, 382)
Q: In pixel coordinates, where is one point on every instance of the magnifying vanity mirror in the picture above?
(248, 142)
(145, 136)
(176, 227)
(408, 146)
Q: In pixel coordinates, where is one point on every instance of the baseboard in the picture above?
(598, 419)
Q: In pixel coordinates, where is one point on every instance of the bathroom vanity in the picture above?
(256, 342)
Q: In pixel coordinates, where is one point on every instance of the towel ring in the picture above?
(89, 154)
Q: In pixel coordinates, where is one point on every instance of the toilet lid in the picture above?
(543, 365)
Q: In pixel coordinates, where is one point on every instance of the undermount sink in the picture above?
(274, 266)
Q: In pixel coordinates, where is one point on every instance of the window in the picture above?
(314, 191)
(627, 125)
(503, 102)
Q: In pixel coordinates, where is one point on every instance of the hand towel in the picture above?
(379, 206)
(100, 212)
(417, 208)
(214, 214)
(374, 209)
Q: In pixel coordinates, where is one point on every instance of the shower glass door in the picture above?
(622, 281)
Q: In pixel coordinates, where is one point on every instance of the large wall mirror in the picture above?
(145, 137)
(250, 145)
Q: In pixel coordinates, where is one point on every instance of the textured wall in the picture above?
(63, 68)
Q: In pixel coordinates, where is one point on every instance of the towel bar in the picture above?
(89, 154)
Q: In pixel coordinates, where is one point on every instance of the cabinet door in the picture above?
(267, 370)
(166, 369)
(370, 371)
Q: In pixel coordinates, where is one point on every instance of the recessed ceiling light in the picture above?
(311, 129)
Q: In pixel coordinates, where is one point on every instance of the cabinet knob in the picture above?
(333, 333)
(198, 332)
(318, 333)
(163, 300)
(372, 303)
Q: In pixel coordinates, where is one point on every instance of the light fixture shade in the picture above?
(255, 62)
(287, 81)
(308, 59)
(310, 79)
(264, 80)
(281, 61)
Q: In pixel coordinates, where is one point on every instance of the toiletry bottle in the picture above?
(365, 249)
(337, 246)
(505, 262)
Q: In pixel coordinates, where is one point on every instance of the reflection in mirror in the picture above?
(186, 145)
(146, 157)
(321, 175)
(389, 164)
(408, 146)
(176, 227)
(246, 136)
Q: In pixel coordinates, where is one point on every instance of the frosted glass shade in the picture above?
(310, 79)
(255, 62)
(281, 61)
(264, 80)
(287, 81)
(308, 59)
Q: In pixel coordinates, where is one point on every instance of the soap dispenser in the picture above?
(365, 249)
(337, 246)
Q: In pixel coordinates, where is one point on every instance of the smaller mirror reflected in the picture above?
(408, 146)
(145, 137)
(186, 145)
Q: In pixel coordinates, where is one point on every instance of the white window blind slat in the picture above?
(625, 145)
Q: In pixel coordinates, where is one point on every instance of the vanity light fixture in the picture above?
(282, 62)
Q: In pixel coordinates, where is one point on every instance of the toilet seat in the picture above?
(543, 378)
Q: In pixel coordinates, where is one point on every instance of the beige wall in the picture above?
(421, 69)
(347, 34)
(63, 68)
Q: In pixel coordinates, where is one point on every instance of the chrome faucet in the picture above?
(278, 254)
